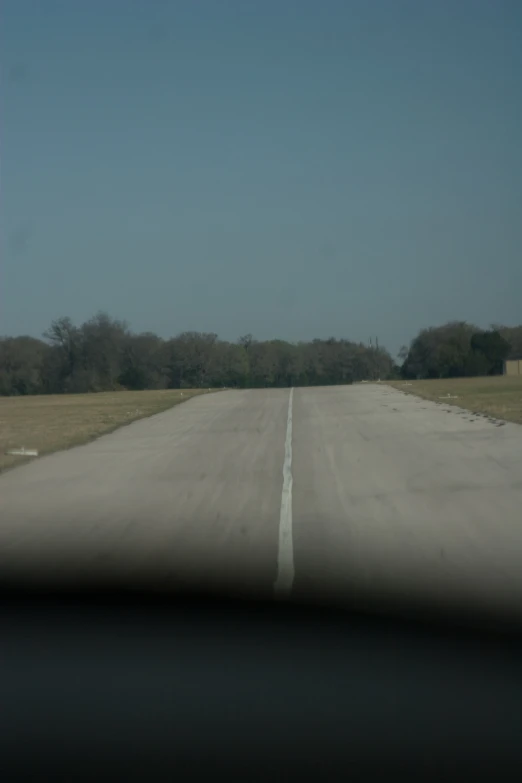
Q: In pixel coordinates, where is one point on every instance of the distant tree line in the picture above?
(460, 349)
(104, 354)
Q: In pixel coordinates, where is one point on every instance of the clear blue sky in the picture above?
(287, 168)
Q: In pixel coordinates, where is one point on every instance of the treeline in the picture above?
(460, 349)
(103, 354)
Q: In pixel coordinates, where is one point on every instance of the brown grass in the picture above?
(54, 422)
(499, 396)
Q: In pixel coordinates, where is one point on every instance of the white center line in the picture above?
(285, 555)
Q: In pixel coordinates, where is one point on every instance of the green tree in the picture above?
(441, 352)
(491, 349)
(144, 362)
(22, 362)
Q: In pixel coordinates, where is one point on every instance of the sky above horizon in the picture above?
(288, 168)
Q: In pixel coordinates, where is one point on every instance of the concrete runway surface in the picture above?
(359, 490)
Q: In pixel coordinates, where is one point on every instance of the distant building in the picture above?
(513, 365)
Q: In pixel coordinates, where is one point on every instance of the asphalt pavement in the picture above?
(351, 490)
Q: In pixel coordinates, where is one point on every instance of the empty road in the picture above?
(359, 490)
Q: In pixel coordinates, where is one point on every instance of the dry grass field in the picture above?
(499, 396)
(54, 422)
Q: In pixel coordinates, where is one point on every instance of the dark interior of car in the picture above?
(120, 684)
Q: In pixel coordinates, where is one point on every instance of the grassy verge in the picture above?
(54, 422)
(499, 396)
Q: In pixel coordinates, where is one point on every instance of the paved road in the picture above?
(360, 490)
